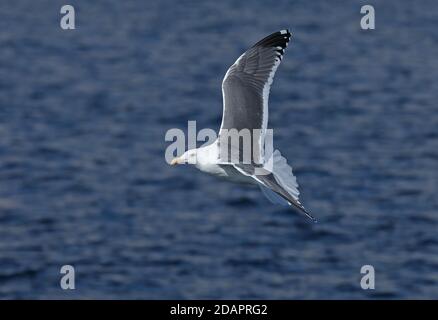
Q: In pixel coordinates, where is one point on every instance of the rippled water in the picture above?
(83, 179)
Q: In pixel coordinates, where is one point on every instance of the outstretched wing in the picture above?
(273, 181)
(246, 86)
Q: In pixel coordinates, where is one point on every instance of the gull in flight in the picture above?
(245, 90)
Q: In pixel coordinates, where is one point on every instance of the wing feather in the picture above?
(246, 87)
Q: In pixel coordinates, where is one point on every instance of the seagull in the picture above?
(245, 90)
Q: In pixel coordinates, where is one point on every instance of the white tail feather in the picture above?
(283, 175)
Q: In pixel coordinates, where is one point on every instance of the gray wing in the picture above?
(246, 86)
(269, 181)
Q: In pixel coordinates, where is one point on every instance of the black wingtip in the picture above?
(304, 212)
(308, 215)
(276, 39)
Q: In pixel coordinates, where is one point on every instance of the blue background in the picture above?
(83, 179)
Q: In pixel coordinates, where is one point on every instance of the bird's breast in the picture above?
(212, 169)
(226, 172)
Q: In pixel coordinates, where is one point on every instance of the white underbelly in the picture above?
(226, 172)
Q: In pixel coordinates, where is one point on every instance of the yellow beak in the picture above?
(175, 161)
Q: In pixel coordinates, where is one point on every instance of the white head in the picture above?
(200, 157)
(188, 157)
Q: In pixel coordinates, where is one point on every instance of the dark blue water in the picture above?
(83, 179)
